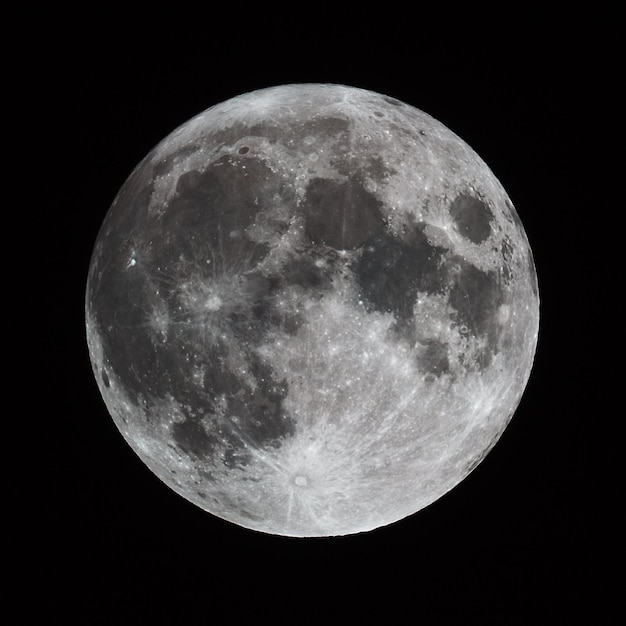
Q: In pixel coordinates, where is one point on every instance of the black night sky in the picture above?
(529, 537)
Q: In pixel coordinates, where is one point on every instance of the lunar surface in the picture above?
(312, 310)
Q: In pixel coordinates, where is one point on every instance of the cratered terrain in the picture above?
(312, 310)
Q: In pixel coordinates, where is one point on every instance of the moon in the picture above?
(312, 310)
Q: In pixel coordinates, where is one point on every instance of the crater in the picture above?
(472, 217)
(393, 101)
(301, 481)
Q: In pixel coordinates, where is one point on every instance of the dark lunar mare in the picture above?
(393, 269)
(148, 260)
(475, 296)
(235, 415)
(342, 215)
(472, 217)
(433, 358)
(228, 236)
(212, 208)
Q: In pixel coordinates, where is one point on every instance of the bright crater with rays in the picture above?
(312, 310)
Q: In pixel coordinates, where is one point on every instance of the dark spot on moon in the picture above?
(248, 514)
(472, 217)
(304, 272)
(506, 252)
(475, 297)
(342, 215)
(235, 456)
(433, 357)
(532, 274)
(209, 206)
(192, 439)
(261, 417)
(267, 313)
(325, 126)
(515, 218)
(392, 270)
(196, 278)
(246, 415)
(393, 101)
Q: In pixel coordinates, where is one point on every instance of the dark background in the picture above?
(529, 537)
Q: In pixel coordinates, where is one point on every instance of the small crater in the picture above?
(393, 101)
(301, 481)
(105, 379)
(244, 150)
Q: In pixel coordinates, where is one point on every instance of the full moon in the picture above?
(312, 310)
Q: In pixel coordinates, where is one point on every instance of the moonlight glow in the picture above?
(312, 310)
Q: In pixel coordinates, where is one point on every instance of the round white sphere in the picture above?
(312, 310)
